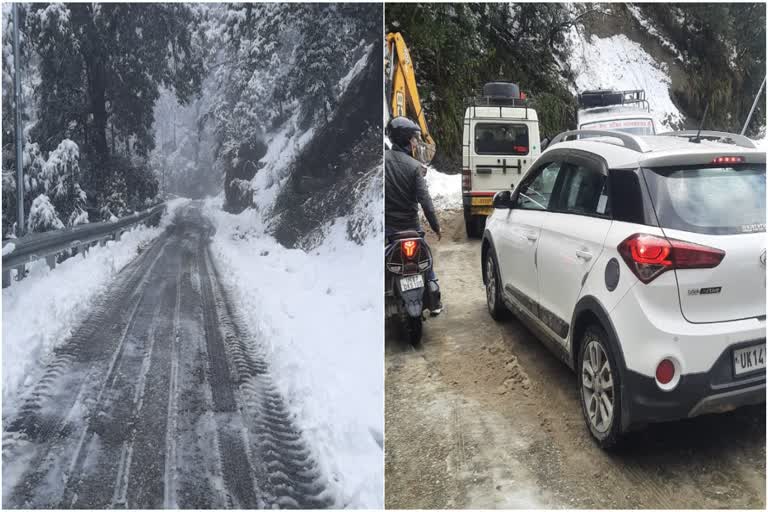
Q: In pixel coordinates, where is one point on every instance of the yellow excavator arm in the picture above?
(405, 97)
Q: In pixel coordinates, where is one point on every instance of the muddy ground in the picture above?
(483, 416)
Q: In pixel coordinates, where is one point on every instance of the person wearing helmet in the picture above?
(405, 188)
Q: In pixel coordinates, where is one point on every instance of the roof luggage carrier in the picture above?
(501, 103)
(609, 98)
(724, 137)
(628, 140)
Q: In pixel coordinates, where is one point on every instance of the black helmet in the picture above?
(400, 130)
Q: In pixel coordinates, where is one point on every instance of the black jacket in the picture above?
(404, 190)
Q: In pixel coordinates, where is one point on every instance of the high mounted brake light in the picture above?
(649, 256)
(728, 160)
(409, 248)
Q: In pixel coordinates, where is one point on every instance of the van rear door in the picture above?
(501, 153)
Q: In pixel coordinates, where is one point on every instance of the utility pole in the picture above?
(752, 110)
(19, 135)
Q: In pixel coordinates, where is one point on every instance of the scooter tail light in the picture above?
(409, 248)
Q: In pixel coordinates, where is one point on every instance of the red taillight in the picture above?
(648, 256)
(466, 179)
(665, 372)
(728, 160)
(409, 248)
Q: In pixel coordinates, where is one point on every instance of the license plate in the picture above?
(482, 210)
(482, 201)
(749, 359)
(411, 282)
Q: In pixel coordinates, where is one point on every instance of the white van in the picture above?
(624, 111)
(500, 141)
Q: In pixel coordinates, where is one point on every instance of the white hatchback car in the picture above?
(640, 261)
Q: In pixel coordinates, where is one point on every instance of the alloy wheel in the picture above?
(490, 285)
(597, 386)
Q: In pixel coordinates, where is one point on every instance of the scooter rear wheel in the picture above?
(413, 330)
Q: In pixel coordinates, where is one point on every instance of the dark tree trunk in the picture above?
(96, 91)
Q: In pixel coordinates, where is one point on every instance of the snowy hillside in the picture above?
(618, 63)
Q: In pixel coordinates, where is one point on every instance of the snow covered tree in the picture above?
(101, 67)
(43, 216)
(61, 176)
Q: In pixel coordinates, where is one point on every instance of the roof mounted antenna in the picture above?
(697, 139)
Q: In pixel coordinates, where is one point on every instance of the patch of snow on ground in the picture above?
(320, 316)
(42, 310)
(445, 189)
(619, 63)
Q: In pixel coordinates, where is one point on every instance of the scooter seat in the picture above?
(400, 235)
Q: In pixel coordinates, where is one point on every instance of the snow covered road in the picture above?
(160, 399)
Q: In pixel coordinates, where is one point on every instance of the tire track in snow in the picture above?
(58, 404)
(288, 474)
(174, 406)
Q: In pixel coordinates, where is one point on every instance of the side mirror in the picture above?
(502, 200)
(544, 143)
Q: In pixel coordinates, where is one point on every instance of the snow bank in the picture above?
(41, 311)
(320, 317)
(445, 189)
(618, 63)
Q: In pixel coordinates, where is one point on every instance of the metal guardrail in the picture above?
(50, 244)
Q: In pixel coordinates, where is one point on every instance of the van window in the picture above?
(501, 139)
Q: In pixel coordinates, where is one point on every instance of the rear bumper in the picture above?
(714, 391)
(478, 203)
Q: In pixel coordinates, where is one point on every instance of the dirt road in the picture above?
(483, 416)
(160, 399)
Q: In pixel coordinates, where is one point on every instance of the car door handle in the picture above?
(531, 236)
(584, 255)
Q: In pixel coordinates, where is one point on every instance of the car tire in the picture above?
(493, 297)
(597, 359)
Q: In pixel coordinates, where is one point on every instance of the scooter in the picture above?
(408, 293)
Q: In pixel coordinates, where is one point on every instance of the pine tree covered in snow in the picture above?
(43, 216)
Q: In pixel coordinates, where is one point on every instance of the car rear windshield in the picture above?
(709, 200)
(501, 139)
